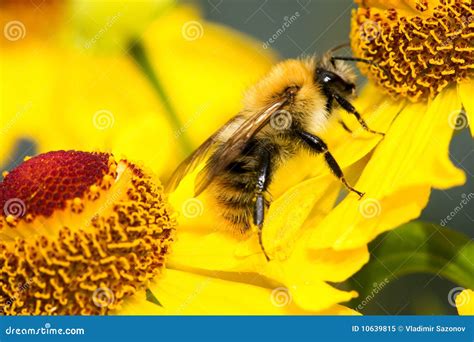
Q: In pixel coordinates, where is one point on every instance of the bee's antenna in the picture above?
(362, 60)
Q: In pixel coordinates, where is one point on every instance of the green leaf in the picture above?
(416, 247)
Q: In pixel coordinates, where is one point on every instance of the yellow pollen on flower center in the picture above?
(418, 52)
(89, 256)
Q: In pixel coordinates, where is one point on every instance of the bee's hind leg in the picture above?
(263, 180)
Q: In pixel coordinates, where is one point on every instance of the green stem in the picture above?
(138, 53)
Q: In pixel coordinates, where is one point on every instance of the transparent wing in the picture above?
(192, 161)
(234, 146)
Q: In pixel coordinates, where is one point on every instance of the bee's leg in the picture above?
(263, 179)
(318, 146)
(329, 110)
(346, 105)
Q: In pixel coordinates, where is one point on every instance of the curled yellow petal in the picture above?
(398, 177)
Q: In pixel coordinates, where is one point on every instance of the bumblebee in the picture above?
(283, 113)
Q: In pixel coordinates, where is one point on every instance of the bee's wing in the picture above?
(234, 146)
(191, 162)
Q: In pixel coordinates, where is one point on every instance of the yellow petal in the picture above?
(285, 236)
(306, 274)
(465, 302)
(183, 293)
(412, 158)
(466, 90)
(204, 68)
(112, 25)
(64, 100)
(286, 216)
(202, 243)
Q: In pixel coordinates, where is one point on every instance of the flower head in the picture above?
(418, 51)
(89, 232)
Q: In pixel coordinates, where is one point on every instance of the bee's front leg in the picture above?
(348, 107)
(317, 145)
(263, 180)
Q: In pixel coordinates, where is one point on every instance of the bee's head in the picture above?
(335, 76)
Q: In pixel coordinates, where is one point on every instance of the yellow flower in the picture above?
(311, 238)
(64, 92)
(60, 97)
(204, 67)
(105, 102)
(203, 103)
(80, 233)
(84, 233)
(465, 302)
(111, 26)
(424, 62)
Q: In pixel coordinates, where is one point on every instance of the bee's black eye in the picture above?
(330, 80)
